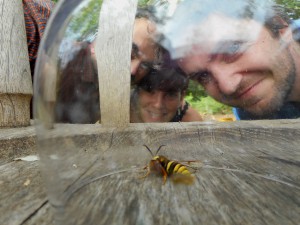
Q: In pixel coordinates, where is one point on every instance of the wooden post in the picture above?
(15, 78)
(114, 45)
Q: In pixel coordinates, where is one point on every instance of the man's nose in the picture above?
(227, 78)
(135, 63)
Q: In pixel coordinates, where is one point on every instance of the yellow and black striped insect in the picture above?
(165, 167)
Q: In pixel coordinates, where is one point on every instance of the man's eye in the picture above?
(233, 51)
(145, 66)
(233, 48)
(134, 51)
(133, 55)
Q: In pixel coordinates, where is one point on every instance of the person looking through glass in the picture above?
(78, 94)
(158, 97)
(242, 52)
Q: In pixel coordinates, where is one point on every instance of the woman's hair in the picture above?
(165, 79)
(165, 74)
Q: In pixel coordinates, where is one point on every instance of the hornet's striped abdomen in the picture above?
(175, 167)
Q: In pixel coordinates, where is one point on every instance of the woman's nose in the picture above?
(158, 99)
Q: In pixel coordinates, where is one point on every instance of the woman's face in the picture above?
(158, 106)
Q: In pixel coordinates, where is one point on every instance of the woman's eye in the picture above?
(202, 77)
(150, 91)
(173, 94)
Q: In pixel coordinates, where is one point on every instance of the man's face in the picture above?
(143, 48)
(158, 106)
(255, 74)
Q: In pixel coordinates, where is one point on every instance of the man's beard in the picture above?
(281, 97)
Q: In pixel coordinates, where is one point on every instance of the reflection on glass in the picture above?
(244, 53)
(145, 53)
(69, 81)
(158, 89)
(78, 92)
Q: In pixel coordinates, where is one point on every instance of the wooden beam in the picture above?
(15, 78)
(113, 49)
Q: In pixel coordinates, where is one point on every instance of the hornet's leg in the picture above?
(147, 174)
(164, 174)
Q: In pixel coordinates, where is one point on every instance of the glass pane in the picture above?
(190, 61)
(158, 87)
(67, 75)
(243, 53)
(210, 52)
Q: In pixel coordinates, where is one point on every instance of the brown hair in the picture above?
(166, 79)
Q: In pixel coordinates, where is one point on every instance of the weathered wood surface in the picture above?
(22, 193)
(113, 49)
(15, 78)
(16, 142)
(250, 175)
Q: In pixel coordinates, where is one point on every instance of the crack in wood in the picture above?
(34, 212)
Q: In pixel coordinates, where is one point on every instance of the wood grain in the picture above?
(113, 49)
(15, 78)
(248, 174)
(22, 193)
(17, 142)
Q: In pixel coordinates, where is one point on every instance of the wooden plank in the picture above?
(16, 142)
(217, 197)
(22, 193)
(15, 78)
(250, 174)
(113, 49)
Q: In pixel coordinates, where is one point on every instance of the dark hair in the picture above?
(277, 20)
(164, 76)
(145, 12)
(166, 79)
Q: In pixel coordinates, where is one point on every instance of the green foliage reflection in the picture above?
(84, 23)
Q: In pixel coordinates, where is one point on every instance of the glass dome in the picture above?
(107, 67)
